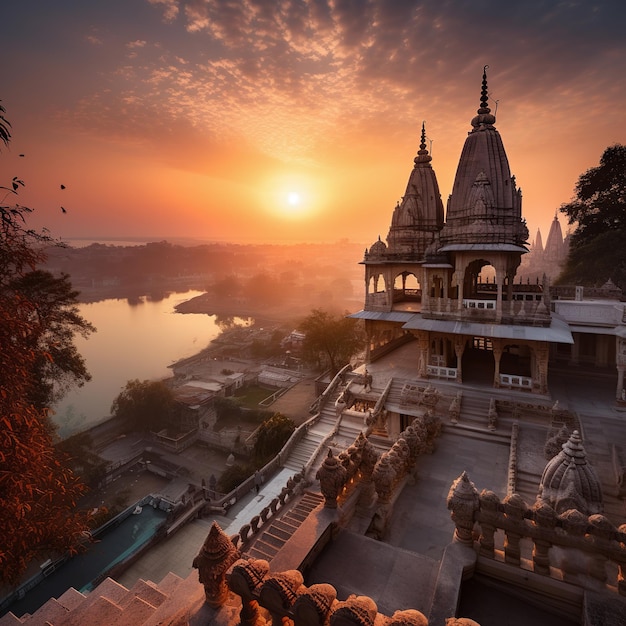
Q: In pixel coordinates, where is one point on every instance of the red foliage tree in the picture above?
(38, 493)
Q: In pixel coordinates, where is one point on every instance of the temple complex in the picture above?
(470, 469)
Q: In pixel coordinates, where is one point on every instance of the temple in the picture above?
(369, 515)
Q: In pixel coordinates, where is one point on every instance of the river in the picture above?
(132, 341)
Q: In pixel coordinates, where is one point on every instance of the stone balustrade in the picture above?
(288, 492)
(283, 598)
(591, 551)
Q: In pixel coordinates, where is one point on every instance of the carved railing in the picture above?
(592, 542)
(287, 600)
(322, 399)
(248, 531)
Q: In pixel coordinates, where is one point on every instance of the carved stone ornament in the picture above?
(463, 502)
(313, 606)
(384, 477)
(408, 617)
(279, 592)
(355, 611)
(215, 557)
(247, 575)
(332, 476)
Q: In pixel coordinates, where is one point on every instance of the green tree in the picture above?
(144, 405)
(330, 340)
(272, 435)
(55, 320)
(38, 491)
(598, 209)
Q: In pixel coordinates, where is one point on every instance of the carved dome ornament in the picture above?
(570, 482)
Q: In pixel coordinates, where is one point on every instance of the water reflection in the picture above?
(137, 339)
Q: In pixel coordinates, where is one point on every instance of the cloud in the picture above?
(288, 76)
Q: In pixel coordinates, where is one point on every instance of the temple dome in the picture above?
(378, 248)
(420, 213)
(569, 481)
(484, 188)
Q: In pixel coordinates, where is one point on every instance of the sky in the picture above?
(294, 120)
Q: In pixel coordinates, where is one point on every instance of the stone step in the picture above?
(286, 525)
(258, 554)
(267, 548)
(147, 591)
(481, 434)
(169, 583)
(9, 619)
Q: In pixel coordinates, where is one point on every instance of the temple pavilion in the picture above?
(451, 283)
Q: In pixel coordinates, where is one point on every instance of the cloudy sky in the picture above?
(294, 120)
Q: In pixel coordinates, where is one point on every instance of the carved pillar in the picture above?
(498, 348)
(499, 280)
(459, 275)
(620, 353)
(602, 533)
(574, 523)
(463, 502)
(621, 574)
(215, 557)
(384, 477)
(422, 337)
(514, 509)
(245, 578)
(545, 520)
(459, 348)
(543, 353)
(332, 476)
(489, 503)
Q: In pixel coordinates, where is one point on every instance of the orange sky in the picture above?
(294, 120)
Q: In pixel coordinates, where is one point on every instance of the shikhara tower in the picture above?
(451, 284)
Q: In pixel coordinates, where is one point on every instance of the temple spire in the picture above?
(484, 117)
(422, 155)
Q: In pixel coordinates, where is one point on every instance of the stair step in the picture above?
(266, 547)
(51, 612)
(258, 554)
(279, 533)
(71, 599)
(169, 583)
(145, 591)
(297, 516)
(272, 539)
(284, 525)
(100, 610)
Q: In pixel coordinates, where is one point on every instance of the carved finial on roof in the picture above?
(484, 116)
(422, 155)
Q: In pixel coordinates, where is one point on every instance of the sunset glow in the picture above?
(281, 121)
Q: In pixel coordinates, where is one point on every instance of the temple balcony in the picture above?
(523, 312)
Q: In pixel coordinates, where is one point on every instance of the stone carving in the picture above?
(463, 502)
(408, 617)
(332, 476)
(555, 443)
(461, 621)
(245, 578)
(312, 607)
(355, 611)
(384, 477)
(569, 481)
(278, 593)
(215, 557)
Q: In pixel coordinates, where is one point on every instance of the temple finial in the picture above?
(422, 155)
(484, 117)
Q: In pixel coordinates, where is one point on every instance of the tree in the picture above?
(330, 341)
(598, 245)
(38, 492)
(145, 405)
(55, 320)
(272, 435)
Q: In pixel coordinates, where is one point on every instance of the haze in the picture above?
(285, 121)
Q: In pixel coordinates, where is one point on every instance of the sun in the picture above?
(293, 199)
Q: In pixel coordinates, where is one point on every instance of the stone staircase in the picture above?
(307, 446)
(108, 603)
(270, 541)
(473, 420)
